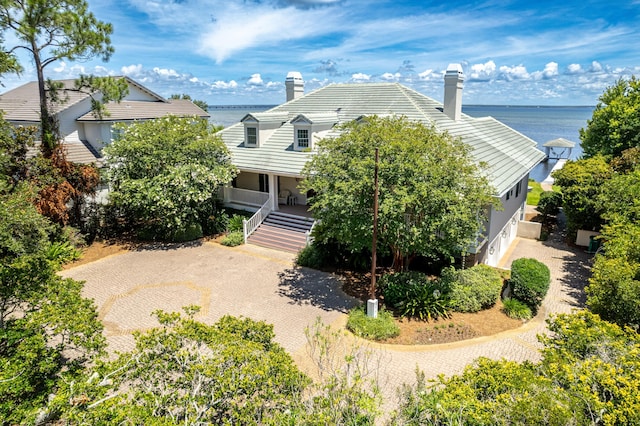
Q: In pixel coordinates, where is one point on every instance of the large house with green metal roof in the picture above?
(271, 148)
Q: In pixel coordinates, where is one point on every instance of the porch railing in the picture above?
(248, 226)
(244, 196)
(309, 232)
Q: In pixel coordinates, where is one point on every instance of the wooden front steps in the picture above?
(282, 231)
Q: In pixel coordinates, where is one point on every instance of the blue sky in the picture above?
(239, 52)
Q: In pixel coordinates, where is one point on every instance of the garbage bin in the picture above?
(593, 244)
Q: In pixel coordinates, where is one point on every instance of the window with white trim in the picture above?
(302, 138)
(251, 136)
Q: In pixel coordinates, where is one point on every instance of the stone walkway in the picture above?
(263, 284)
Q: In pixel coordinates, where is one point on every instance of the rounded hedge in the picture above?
(473, 289)
(550, 203)
(529, 282)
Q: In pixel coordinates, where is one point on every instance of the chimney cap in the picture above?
(294, 75)
(454, 70)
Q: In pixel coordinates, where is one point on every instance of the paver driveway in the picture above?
(262, 284)
(245, 281)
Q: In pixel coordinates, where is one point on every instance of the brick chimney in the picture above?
(294, 85)
(453, 79)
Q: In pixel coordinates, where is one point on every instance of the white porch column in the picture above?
(225, 194)
(273, 191)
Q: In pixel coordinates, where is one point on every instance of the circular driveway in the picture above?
(264, 284)
(247, 281)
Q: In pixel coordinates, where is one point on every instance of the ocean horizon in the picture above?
(541, 123)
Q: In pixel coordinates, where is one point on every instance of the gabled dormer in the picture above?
(259, 126)
(309, 128)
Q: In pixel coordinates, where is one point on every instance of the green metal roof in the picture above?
(508, 154)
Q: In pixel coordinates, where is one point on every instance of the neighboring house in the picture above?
(84, 135)
(271, 148)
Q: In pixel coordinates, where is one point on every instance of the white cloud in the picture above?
(518, 72)
(595, 67)
(132, 70)
(428, 74)
(165, 73)
(360, 77)
(574, 69)
(550, 71)
(387, 76)
(482, 72)
(61, 67)
(255, 80)
(231, 32)
(224, 85)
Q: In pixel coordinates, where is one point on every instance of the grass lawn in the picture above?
(536, 189)
(534, 195)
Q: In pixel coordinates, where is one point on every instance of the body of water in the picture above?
(541, 124)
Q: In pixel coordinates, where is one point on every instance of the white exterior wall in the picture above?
(67, 120)
(503, 225)
(136, 94)
(97, 134)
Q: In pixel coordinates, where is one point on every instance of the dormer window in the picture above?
(308, 128)
(259, 126)
(302, 138)
(251, 136)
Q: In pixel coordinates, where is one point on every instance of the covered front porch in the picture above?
(250, 191)
(279, 221)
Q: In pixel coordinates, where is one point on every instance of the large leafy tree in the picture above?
(433, 196)
(230, 372)
(50, 31)
(186, 372)
(614, 287)
(47, 329)
(581, 182)
(165, 173)
(615, 124)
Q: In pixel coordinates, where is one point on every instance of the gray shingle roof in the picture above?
(508, 154)
(145, 110)
(22, 104)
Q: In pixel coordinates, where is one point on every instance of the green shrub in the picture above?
(550, 203)
(516, 309)
(380, 328)
(412, 294)
(473, 289)
(311, 257)
(61, 252)
(235, 223)
(188, 233)
(233, 239)
(529, 282)
(215, 223)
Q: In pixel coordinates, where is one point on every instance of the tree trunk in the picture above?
(48, 131)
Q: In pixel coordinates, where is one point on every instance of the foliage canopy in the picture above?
(424, 208)
(164, 173)
(588, 375)
(615, 124)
